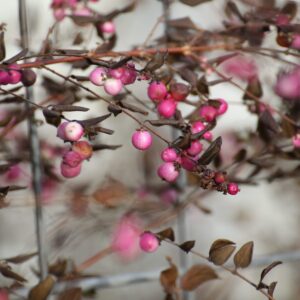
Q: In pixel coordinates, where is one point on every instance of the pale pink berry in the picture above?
(232, 188)
(59, 14)
(61, 130)
(141, 139)
(169, 155)
(83, 148)
(126, 237)
(13, 173)
(157, 91)
(167, 108)
(296, 42)
(108, 27)
(116, 73)
(188, 163)
(208, 113)
(179, 91)
(223, 107)
(195, 148)
(72, 159)
(113, 86)
(169, 196)
(73, 131)
(197, 126)
(68, 171)
(168, 172)
(296, 141)
(149, 242)
(98, 76)
(208, 135)
(288, 85)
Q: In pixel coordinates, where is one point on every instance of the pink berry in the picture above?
(187, 163)
(113, 86)
(61, 131)
(157, 91)
(149, 242)
(14, 74)
(68, 171)
(83, 12)
(296, 141)
(197, 127)
(195, 148)
(129, 75)
(83, 148)
(222, 108)
(208, 135)
(108, 27)
(208, 112)
(4, 77)
(116, 73)
(219, 178)
(168, 172)
(288, 85)
(167, 108)
(232, 188)
(73, 131)
(98, 76)
(59, 14)
(169, 155)
(296, 42)
(169, 196)
(179, 91)
(3, 294)
(141, 139)
(13, 173)
(72, 159)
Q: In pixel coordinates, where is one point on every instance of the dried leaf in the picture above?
(156, 62)
(71, 294)
(2, 46)
(133, 108)
(266, 270)
(187, 246)
(189, 76)
(166, 234)
(197, 275)
(105, 147)
(183, 23)
(211, 152)
(243, 257)
(220, 251)
(240, 155)
(64, 107)
(114, 109)
(52, 117)
(20, 258)
(94, 121)
(193, 2)
(6, 271)
(271, 288)
(159, 123)
(42, 290)
(168, 278)
(254, 90)
(267, 126)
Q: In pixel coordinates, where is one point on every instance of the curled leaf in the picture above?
(211, 153)
(220, 251)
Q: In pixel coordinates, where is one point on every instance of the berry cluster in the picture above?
(80, 150)
(12, 74)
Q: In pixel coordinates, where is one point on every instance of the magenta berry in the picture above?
(116, 73)
(83, 148)
(288, 85)
(167, 108)
(129, 75)
(68, 171)
(169, 155)
(141, 139)
(72, 159)
(188, 163)
(208, 113)
(222, 108)
(296, 141)
(168, 172)
(61, 131)
(108, 27)
(4, 77)
(208, 135)
(73, 131)
(113, 86)
(179, 91)
(232, 188)
(197, 127)
(219, 177)
(98, 76)
(148, 242)
(195, 148)
(14, 74)
(157, 91)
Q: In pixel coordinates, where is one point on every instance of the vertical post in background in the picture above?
(181, 181)
(34, 155)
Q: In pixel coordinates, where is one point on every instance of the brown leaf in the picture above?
(64, 107)
(42, 290)
(20, 258)
(290, 9)
(166, 234)
(133, 108)
(156, 62)
(168, 278)
(71, 294)
(6, 271)
(94, 121)
(254, 90)
(197, 275)
(194, 2)
(211, 152)
(271, 288)
(267, 126)
(105, 147)
(240, 155)
(220, 251)
(2, 46)
(52, 117)
(266, 270)
(187, 246)
(243, 257)
(159, 123)
(58, 268)
(185, 23)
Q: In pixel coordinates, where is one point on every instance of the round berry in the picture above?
(14, 74)
(149, 242)
(98, 76)
(129, 75)
(179, 91)
(296, 141)
(28, 77)
(168, 172)
(108, 27)
(208, 135)
(187, 163)
(83, 148)
(232, 188)
(167, 108)
(68, 171)
(4, 77)
(113, 86)
(169, 155)
(116, 73)
(208, 112)
(219, 178)
(72, 159)
(195, 148)
(222, 108)
(157, 91)
(169, 196)
(73, 131)
(197, 126)
(59, 14)
(141, 139)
